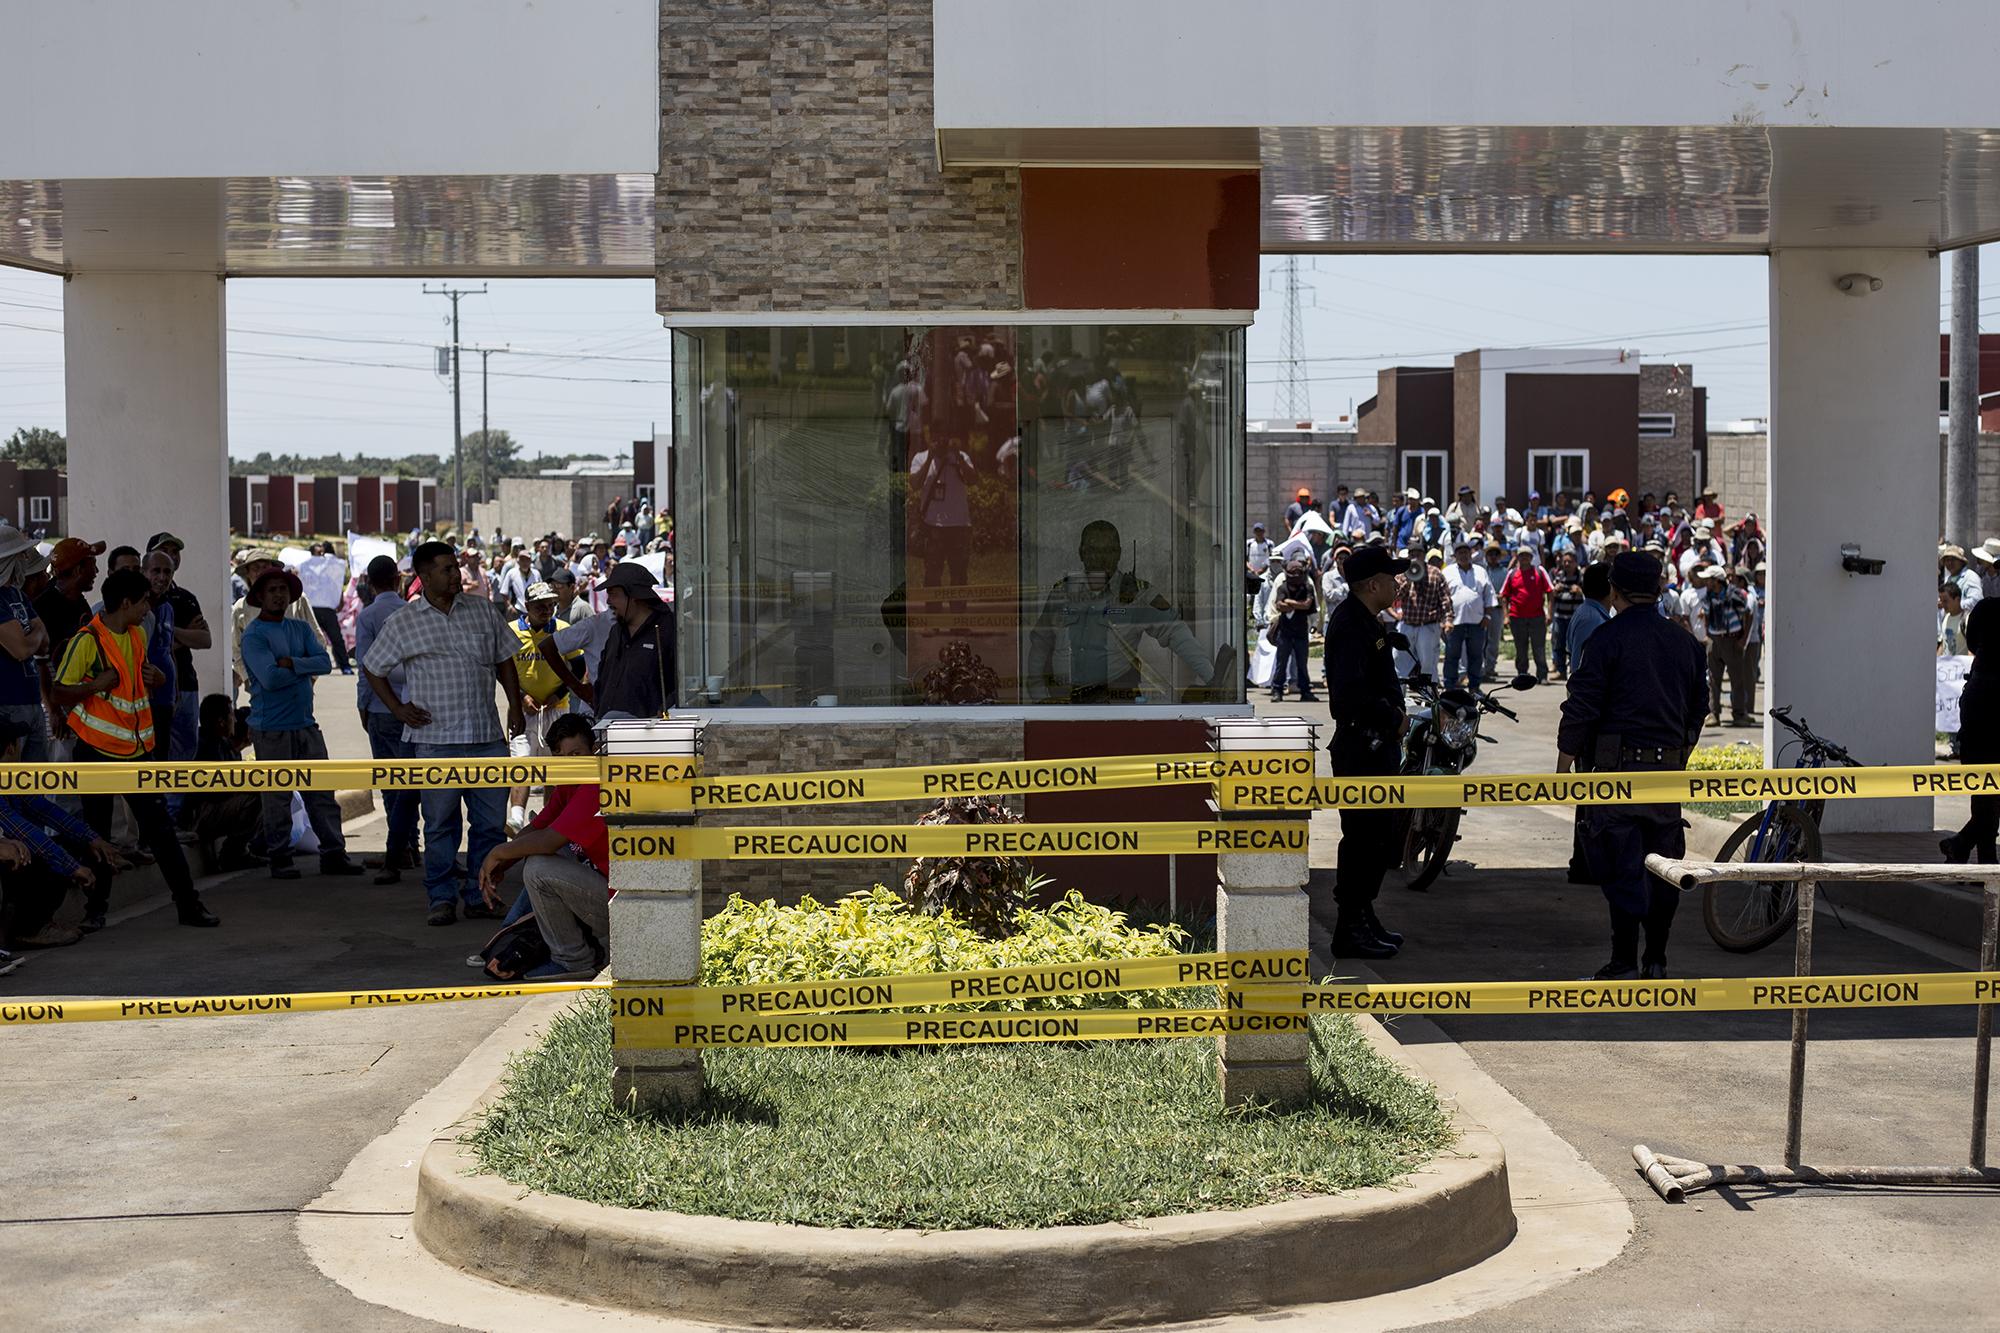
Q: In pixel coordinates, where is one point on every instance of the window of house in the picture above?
(305, 516)
(347, 513)
(1553, 470)
(41, 509)
(1016, 515)
(1656, 425)
(1424, 470)
(256, 515)
(388, 515)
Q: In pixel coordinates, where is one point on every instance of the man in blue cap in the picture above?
(1636, 704)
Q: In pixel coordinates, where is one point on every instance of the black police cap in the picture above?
(1637, 575)
(1369, 561)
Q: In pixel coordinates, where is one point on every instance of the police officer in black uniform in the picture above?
(1635, 704)
(1368, 723)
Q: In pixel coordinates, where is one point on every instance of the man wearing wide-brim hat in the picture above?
(1986, 564)
(282, 656)
(1952, 568)
(252, 562)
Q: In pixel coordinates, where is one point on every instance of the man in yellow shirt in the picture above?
(104, 688)
(543, 694)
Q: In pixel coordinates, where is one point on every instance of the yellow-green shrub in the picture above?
(878, 934)
(1718, 758)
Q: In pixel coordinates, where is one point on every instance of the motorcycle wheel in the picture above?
(1432, 835)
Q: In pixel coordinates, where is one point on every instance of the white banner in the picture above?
(1950, 684)
(360, 550)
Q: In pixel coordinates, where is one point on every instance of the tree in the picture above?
(36, 447)
(489, 456)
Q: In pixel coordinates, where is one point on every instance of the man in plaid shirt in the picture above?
(452, 649)
(1728, 647)
(1423, 606)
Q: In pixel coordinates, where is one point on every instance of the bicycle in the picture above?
(1744, 916)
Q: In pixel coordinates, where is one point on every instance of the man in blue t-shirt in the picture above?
(281, 656)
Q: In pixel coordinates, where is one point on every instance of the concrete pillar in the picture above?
(1260, 903)
(1853, 459)
(655, 927)
(149, 426)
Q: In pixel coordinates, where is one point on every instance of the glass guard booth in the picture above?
(904, 516)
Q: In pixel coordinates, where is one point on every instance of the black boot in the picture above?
(1353, 939)
(192, 913)
(1381, 932)
(1624, 964)
(1955, 853)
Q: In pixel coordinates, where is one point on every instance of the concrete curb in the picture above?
(1449, 1214)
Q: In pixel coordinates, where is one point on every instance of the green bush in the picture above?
(877, 934)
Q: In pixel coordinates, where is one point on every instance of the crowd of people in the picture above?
(1484, 575)
(98, 667)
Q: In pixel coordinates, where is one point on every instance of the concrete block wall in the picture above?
(754, 747)
(1464, 426)
(795, 140)
(1738, 469)
(1667, 463)
(1273, 474)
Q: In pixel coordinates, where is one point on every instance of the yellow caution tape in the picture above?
(954, 1029)
(1170, 972)
(1673, 787)
(839, 842)
(811, 1014)
(1248, 781)
(931, 781)
(1708, 995)
(33, 1012)
(324, 775)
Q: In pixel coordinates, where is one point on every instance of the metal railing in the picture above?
(1672, 1177)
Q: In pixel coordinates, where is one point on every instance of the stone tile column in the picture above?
(1260, 903)
(655, 923)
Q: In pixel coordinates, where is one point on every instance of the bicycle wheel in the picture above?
(1745, 915)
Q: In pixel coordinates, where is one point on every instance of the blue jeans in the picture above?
(35, 720)
(183, 736)
(1292, 665)
(485, 807)
(1469, 642)
(385, 741)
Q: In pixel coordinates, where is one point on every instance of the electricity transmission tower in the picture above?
(1294, 393)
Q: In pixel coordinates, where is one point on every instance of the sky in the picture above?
(334, 365)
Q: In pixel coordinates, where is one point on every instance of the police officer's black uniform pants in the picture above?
(1617, 839)
(1366, 836)
(1979, 743)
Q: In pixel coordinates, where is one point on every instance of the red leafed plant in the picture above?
(983, 892)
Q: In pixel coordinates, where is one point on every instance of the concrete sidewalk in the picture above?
(154, 1169)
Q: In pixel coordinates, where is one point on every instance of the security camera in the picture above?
(1858, 284)
(1854, 562)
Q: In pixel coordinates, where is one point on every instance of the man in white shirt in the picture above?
(1472, 596)
(324, 576)
(1256, 560)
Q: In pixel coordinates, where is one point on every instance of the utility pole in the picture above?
(458, 511)
(1961, 457)
(485, 447)
(1294, 394)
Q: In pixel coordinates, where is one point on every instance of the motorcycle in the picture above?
(1443, 738)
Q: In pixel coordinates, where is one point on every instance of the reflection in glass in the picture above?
(892, 516)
